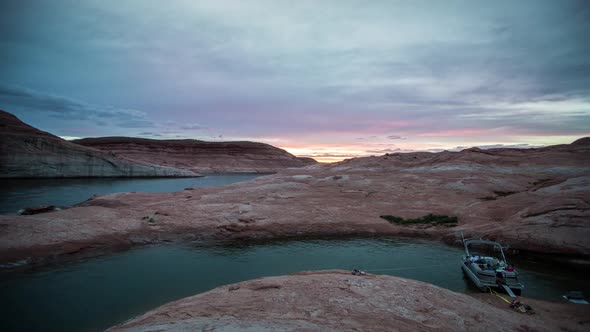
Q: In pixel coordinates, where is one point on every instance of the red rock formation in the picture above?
(533, 199)
(338, 301)
(26, 152)
(200, 156)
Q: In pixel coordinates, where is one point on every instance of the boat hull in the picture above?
(484, 280)
(482, 285)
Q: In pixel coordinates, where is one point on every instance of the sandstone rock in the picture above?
(200, 156)
(26, 152)
(245, 208)
(338, 301)
(151, 219)
(302, 178)
(582, 141)
(548, 212)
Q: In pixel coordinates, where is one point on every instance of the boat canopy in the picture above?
(492, 243)
(483, 242)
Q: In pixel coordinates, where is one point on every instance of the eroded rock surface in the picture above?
(26, 152)
(200, 156)
(535, 199)
(338, 301)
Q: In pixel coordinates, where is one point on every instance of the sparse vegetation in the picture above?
(504, 193)
(433, 219)
(488, 198)
(498, 195)
(540, 181)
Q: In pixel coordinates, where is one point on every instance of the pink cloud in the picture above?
(455, 132)
(387, 126)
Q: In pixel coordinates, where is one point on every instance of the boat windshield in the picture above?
(485, 250)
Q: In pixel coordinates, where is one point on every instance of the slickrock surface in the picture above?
(338, 301)
(200, 156)
(26, 152)
(536, 199)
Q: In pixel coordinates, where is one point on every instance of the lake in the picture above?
(94, 294)
(100, 292)
(16, 194)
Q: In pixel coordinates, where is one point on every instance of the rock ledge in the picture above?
(335, 301)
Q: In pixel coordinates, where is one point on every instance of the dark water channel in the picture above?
(21, 193)
(95, 294)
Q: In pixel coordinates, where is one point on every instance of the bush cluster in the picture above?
(434, 219)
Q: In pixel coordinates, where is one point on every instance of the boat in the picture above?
(575, 297)
(484, 263)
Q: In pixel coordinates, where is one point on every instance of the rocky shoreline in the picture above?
(530, 199)
(533, 200)
(27, 152)
(335, 300)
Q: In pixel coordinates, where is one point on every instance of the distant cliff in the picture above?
(200, 156)
(26, 152)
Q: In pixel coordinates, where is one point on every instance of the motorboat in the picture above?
(485, 264)
(575, 297)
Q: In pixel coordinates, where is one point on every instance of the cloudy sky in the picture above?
(329, 79)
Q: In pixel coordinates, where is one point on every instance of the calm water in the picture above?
(98, 293)
(21, 193)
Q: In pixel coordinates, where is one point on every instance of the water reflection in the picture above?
(16, 194)
(100, 292)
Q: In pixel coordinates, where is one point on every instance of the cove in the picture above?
(16, 194)
(95, 294)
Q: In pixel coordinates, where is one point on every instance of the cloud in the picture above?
(326, 155)
(64, 108)
(147, 133)
(383, 151)
(448, 73)
(509, 146)
(135, 123)
(70, 138)
(495, 146)
(191, 126)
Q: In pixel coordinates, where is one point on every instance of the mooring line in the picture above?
(498, 295)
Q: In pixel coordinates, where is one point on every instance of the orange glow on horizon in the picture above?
(329, 153)
(326, 153)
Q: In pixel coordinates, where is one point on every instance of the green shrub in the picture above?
(488, 198)
(540, 181)
(392, 219)
(433, 219)
(504, 193)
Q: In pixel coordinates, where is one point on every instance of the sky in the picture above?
(326, 79)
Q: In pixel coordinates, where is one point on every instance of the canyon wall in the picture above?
(26, 152)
